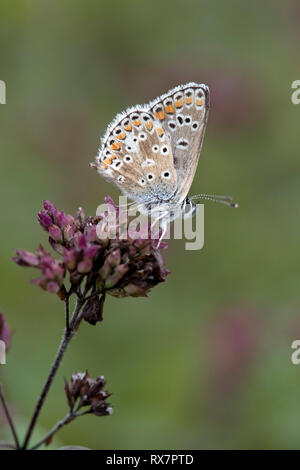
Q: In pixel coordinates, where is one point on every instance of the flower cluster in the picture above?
(85, 391)
(52, 270)
(5, 333)
(119, 267)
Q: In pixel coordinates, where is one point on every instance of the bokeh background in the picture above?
(204, 362)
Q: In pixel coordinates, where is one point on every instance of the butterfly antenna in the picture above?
(227, 200)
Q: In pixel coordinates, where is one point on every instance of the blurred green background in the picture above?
(204, 363)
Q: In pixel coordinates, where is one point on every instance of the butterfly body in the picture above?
(151, 152)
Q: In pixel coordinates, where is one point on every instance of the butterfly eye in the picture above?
(150, 176)
(166, 175)
(155, 148)
(128, 159)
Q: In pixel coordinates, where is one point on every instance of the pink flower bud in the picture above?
(55, 233)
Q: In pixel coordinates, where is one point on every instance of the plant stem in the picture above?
(9, 418)
(67, 336)
(68, 314)
(67, 419)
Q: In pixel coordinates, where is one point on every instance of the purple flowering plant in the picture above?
(89, 268)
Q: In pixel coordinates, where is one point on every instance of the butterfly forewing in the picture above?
(183, 113)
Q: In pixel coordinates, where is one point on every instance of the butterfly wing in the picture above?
(183, 113)
(136, 156)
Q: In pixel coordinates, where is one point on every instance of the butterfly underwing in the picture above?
(151, 151)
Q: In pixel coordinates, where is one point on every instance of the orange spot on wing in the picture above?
(169, 109)
(115, 146)
(137, 122)
(149, 125)
(160, 115)
(128, 128)
(104, 166)
(122, 136)
(188, 100)
(160, 131)
(199, 102)
(109, 159)
(178, 104)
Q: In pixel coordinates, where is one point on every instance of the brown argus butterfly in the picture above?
(151, 152)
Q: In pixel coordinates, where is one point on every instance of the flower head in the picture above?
(119, 267)
(85, 391)
(52, 270)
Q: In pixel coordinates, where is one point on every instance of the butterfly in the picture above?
(151, 152)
